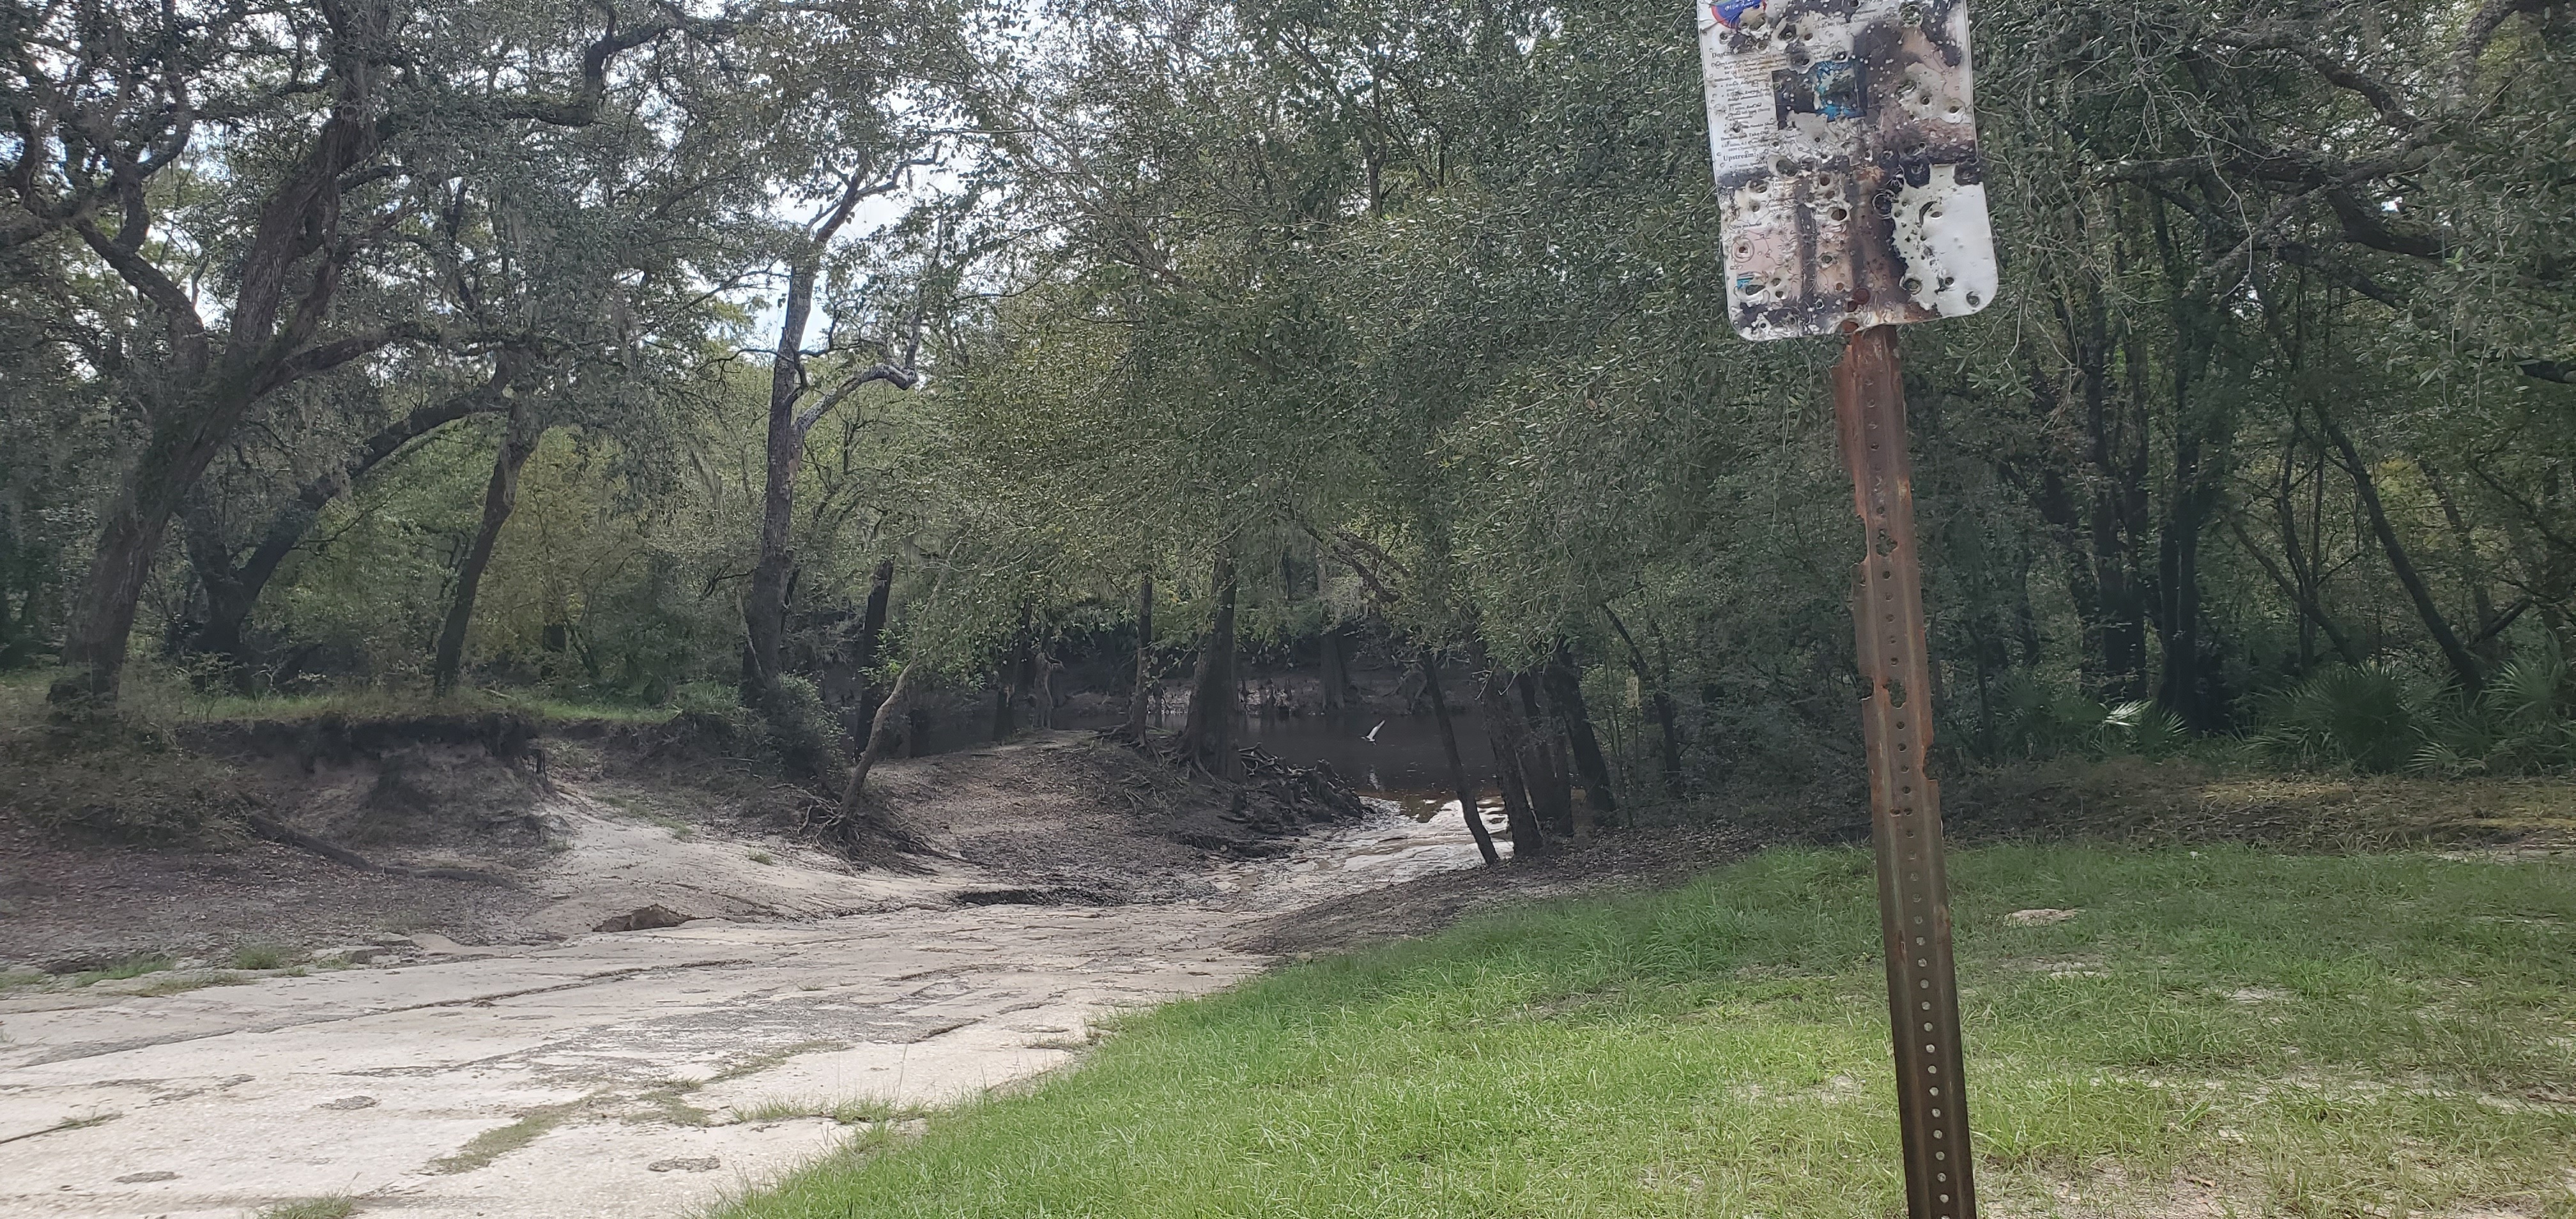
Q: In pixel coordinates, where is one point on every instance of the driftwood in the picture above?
(287, 835)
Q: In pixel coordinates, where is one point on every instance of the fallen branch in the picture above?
(287, 835)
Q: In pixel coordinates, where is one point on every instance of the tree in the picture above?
(319, 114)
(868, 97)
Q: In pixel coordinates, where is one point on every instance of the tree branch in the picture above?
(2307, 44)
(2481, 30)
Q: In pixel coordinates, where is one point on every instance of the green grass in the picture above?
(847, 1112)
(2219, 1033)
(312, 1208)
(261, 956)
(130, 967)
(482, 1149)
(181, 983)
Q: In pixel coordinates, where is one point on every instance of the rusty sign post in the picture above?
(1845, 142)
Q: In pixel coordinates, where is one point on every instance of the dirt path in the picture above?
(642, 1073)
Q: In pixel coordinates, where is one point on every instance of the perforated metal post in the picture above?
(1904, 803)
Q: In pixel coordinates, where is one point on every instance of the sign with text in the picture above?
(1845, 139)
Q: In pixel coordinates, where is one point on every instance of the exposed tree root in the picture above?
(279, 832)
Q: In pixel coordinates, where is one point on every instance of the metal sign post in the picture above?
(1844, 138)
(1904, 803)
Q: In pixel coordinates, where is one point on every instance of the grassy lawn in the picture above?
(2220, 1032)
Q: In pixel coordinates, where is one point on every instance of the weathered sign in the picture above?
(1845, 138)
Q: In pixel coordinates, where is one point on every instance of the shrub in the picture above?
(803, 732)
(260, 956)
(2375, 720)
(2367, 718)
(2037, 718)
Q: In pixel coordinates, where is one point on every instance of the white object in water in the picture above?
(1371, 738)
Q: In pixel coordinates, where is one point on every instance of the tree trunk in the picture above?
(1507, 734)
(2490, 646)
(211, 394)
(1140, 701)
(1208, 738)
(880, 736)
(1543, 759)
(2123, 611)
(2464, 667)
(1565, 691)
(1457, 766)
(2304, 581)
(2115, 447)
(9, 639)
(129, 539)
(228, 602)
(765, 605)
(2200, 432)
(870, 644)
(1024, 669)
(499, 498)
(1658, 701)
(1336, 669)
(1529, 838)
(2187, 685)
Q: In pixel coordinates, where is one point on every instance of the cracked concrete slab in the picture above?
(635, 1074)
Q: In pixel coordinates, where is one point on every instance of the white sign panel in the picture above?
(1845, 138)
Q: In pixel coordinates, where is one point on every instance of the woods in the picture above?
(673, 355)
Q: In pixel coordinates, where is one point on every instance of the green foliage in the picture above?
(2145, 729)
(1412, 312)
(2528, 714)
(804, 733)
(2036, 718)
(2363, 717)
(2522, 722)
(1721, 1049)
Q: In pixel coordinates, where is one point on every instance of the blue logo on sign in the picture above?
(1730, 13)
